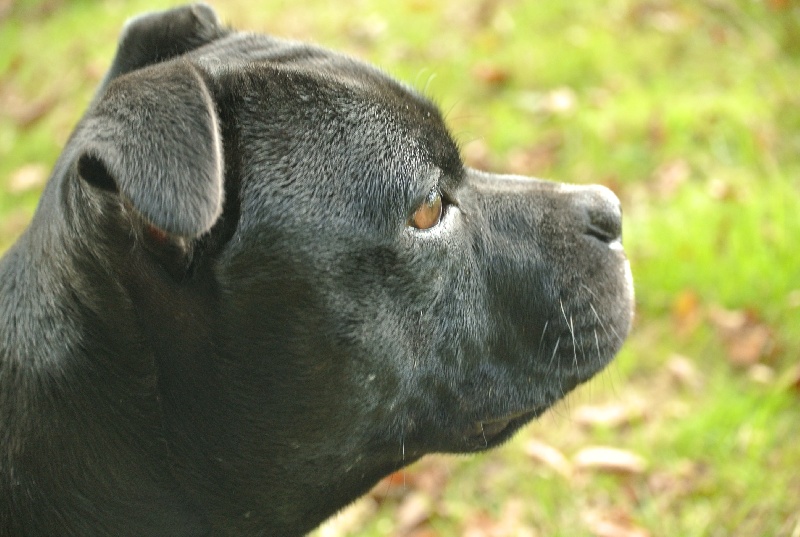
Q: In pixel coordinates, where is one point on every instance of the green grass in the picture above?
(688, 109)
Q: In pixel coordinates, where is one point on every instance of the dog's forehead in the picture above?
(247, 52)
(332, 112)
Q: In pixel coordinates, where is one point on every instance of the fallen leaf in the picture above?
(480, 525)
(612, 524)
(747, 340)
(415, 509)
(536, 159)
(610, 460)
(423, 532)
(509, 523)
(779, 5)
(430, 478)
(729, 321)
(657, 135)
(350, 521)
(686, 311)
(686, 478)
(5, 8)
(491, 75)
(476, 154)
(761, 374)
(549, 456)
(393, 486)
(791, 379)
(27, 178)
(612, 416)
(721, 190)
(368, 30)
(485, 12)
(749, 346)
(26, 114)
(683, 372)
(670, 177)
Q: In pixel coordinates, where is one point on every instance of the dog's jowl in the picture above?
(261, 278)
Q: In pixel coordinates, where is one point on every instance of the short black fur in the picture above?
(219, 321)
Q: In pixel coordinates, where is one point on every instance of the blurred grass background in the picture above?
(688, 109)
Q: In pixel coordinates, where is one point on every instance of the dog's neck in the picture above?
(152, 370)
(58, 351)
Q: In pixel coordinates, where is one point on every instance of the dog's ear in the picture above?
(159, 36)
(154, 139)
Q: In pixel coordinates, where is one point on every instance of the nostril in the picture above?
(604, 212)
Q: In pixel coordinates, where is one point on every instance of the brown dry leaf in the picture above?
(485, 12)
(683, 372)
(612, 524)
(5, 8)
(610, 460)
(430, 478)
(476, 155)
(549, 456)
(791, 379)
(761, 374)
(613, 416)
(657, 132)
(350, 521)
(480, 525)
(423, 532)
(721, 190)
(415, 509)
(749, 346)
(510, 523)
(536, 159)
(491, 75)
(25, 114)
(779, 5)
(686, 312)
(727, 321)
(393, 486)
(747, 340)
(669, 177)
(28, 177)
(688, 478)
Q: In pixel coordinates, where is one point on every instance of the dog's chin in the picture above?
(487, 434)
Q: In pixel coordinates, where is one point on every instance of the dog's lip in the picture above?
(492, 430)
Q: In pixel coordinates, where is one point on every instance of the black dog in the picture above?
(261, 278)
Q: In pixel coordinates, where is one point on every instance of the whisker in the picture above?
(555, 350)
(594, 295)
(571, 326)
(541, 340)
(574, 344)
(603, 325)
(597, 342)
(619, 338)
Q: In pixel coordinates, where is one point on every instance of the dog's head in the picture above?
(328, 292)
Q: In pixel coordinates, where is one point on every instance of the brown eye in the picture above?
(429, 213)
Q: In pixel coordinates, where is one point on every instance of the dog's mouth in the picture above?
(486, 434)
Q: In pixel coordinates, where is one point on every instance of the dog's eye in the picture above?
(429, 213)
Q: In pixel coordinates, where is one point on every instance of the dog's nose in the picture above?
(603, 211)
